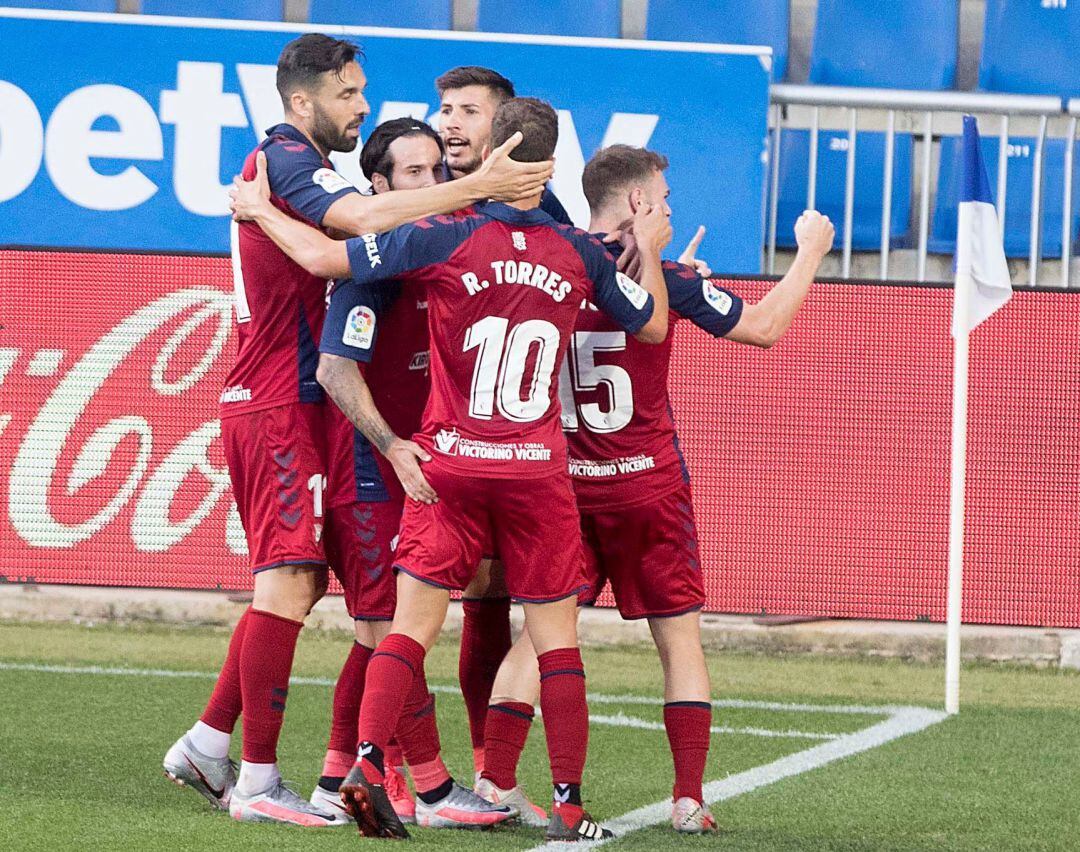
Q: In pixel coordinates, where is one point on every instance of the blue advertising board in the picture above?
(123, 132)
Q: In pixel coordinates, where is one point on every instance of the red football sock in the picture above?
(341, 750)
(507, 729)
(688, 726)
(418, 734)
(265, 664)
(566, 713)
(390, 677)
(226, 701)
(485, 640)
(393, 755)
(347, 694)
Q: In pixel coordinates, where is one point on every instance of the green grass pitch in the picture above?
(80, 750)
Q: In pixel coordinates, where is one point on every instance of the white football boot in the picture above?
(212, 777)
(461, 808)
(689, 816)
(280, 804)
(528, 813)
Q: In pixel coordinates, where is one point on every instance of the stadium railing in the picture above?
(802, 106)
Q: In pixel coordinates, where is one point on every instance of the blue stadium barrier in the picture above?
(730, 22)
(65, 5)
(829, 195)
(416, 14)
(1017, 194)
(596, 18)
(1030, 46)
(245, 10)
(909, 45)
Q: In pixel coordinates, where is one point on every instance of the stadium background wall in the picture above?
(820, 467)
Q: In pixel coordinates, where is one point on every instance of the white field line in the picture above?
(619, 720)
(902, 721)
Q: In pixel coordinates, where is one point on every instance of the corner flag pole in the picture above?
(957, 476)
(982, 287)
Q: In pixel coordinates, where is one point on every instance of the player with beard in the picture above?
(374, 364)
(272, 415)
(632, 487)
(504, 287)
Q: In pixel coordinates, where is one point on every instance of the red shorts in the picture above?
(533, 524)
(649, 552)
(276, 466)
(360, 542)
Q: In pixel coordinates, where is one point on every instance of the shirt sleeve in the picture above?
(300, 178)
(703, 301)
(620, 297)
(399, 253)
(351, 325)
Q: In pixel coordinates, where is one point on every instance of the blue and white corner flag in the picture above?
(980, 255)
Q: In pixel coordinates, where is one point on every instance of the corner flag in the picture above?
(980, 255)
(982, 286)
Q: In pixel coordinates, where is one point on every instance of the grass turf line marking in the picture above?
(621, 720)
(902, 721)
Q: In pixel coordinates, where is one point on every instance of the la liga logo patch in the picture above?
(359, 328)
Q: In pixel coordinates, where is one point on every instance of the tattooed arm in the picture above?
(342, 380)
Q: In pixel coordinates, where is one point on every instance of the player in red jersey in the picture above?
(374, 364)
(504, 287)
(632, 487)
(272, 415)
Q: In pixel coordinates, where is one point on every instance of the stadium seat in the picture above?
(66, 5)
(420, 14)
(245, 10)
(831, 169)
(909, 45)
(728, 22)
(1017, 197)
(596, 18)
(1030, 46)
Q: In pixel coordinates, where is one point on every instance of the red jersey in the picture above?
(385, 330)
(279, 306)
(621, 433)
(504, 287)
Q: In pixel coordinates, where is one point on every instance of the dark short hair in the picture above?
(304, 59)
(375, 158)
(538, 123)
(616, 167)
(475, 75)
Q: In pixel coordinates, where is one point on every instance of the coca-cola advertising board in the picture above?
(820, 467)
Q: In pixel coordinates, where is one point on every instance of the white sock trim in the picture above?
(210, 741)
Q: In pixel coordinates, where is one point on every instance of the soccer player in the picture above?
(272, 415)
(632, 487)
(374, 365)
(504, 286)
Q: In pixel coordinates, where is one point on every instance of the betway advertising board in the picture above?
(124, 132)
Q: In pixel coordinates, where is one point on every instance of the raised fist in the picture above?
(814, 233)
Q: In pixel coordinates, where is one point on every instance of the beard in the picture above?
(328, 135)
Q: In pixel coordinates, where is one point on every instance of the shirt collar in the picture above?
(291, 132)
(513, 216)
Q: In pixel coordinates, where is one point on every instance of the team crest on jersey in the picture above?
(519, 240)
(446, 441)
(359, 327)
(637, 295)
(330, 181)
(716, 297)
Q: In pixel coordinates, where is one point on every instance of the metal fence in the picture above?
(803, 107)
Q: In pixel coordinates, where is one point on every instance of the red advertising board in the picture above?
(820, 467)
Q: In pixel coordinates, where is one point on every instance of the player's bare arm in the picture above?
(652, 228)
(764, 323)
(342, 379)
(499, 178)
(307, 246)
